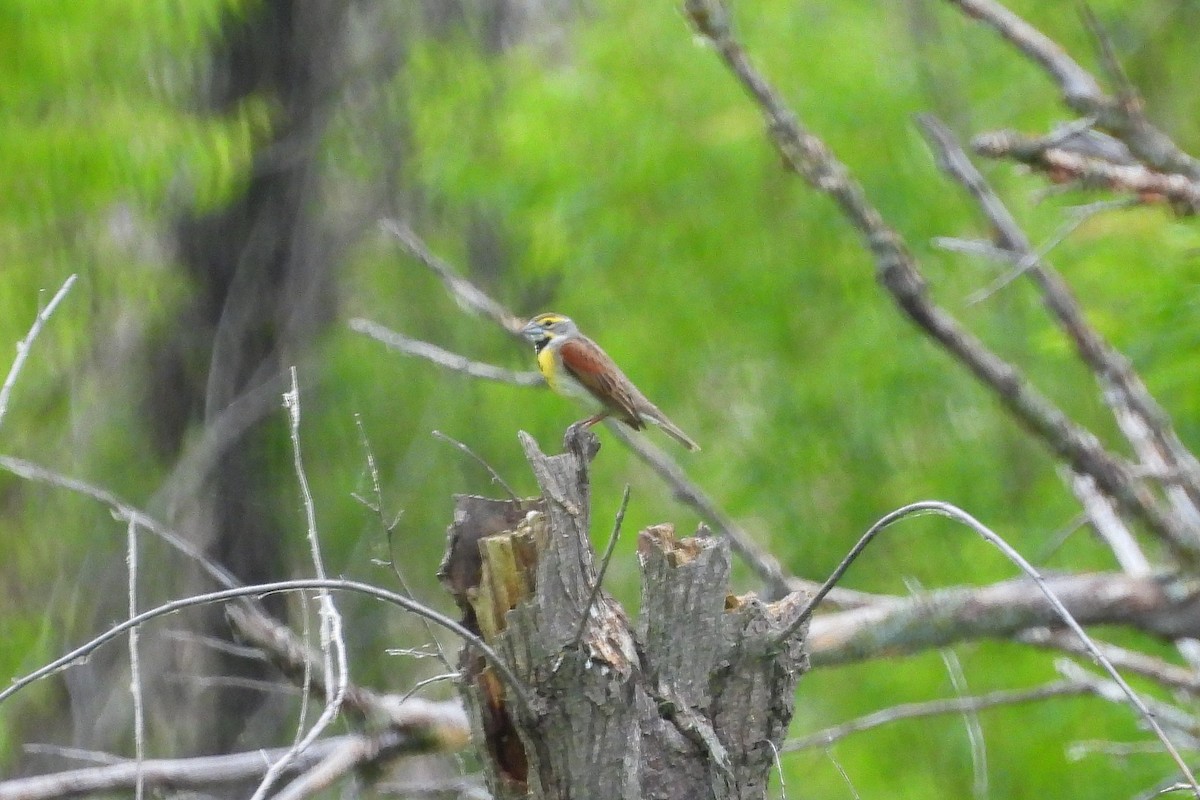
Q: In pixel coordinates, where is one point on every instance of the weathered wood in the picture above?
(692, 703)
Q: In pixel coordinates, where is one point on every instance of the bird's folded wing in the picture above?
(589, 365)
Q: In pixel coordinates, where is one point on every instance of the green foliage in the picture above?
(98, 148)
(634, 172)
(628, 182)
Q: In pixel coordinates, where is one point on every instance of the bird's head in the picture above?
(544, 328)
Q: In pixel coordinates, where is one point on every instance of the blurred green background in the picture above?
(215, 180)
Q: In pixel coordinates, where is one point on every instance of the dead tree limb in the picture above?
(691, 702)
(898, 272)
(1121, 116)
(1160, 605)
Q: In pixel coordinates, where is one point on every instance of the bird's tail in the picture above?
(673, 430)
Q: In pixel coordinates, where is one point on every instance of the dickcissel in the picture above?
(575, 366)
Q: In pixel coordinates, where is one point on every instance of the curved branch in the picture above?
(466, 293)
(261, 589)
(1060, 611)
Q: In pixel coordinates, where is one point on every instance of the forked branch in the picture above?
(897, 271)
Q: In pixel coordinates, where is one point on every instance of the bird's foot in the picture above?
(580, 439)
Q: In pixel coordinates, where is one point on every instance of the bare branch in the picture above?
(389, 529)
(444, 358)
(933, 708)
(340, 761)
(333, 644)
(604, 561)
(1164, 713)
(468, 296)
(1059, 609)
(1171, 676)
(1063, 164)
(259, 590)
(135, 662)
(496, 479)
(897, 271)
(1082, 92)
(765, 565)
(1159, 605)
(26, 344)
(1123, 388)
(974, 247)
(429, 729)
(121, 510)
(1023, 263)
(975, 737)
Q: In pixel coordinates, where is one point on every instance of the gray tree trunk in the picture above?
(692, 702)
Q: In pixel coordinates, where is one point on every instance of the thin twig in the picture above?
(135, 661)
(778, 769)
(1033, 258)
(932, 708)
(1166, 674)
(975, 737)
(1108, 525)
(333, 643)
(1113, 531)
(73, 753)
(1076, 164)
(608, 552)
(957, 514)
(340, 761)
(215, 644)
(464, 292)
(974, 247)
(765, 565)
(421, 684)
(24, 346)
(121, 510)
(1159, 605)
(443, 357)
(228, 681)
(1081, 749)
(1127, 94)
(1163, 713)
(389, 530)
(259, 590)
(479, 459)
(841, 771)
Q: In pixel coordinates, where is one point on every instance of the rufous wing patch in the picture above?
(588, 364)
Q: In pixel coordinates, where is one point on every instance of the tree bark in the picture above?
(692, 702)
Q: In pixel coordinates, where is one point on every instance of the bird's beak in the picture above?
(533, 331)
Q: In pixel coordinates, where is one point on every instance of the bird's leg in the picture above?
(586, 423)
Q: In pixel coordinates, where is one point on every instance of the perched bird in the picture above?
(575, 366)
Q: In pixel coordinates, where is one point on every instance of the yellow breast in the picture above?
(548, 365)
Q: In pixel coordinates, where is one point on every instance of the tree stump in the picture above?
(691, 703)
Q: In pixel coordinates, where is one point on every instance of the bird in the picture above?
(575, 366)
